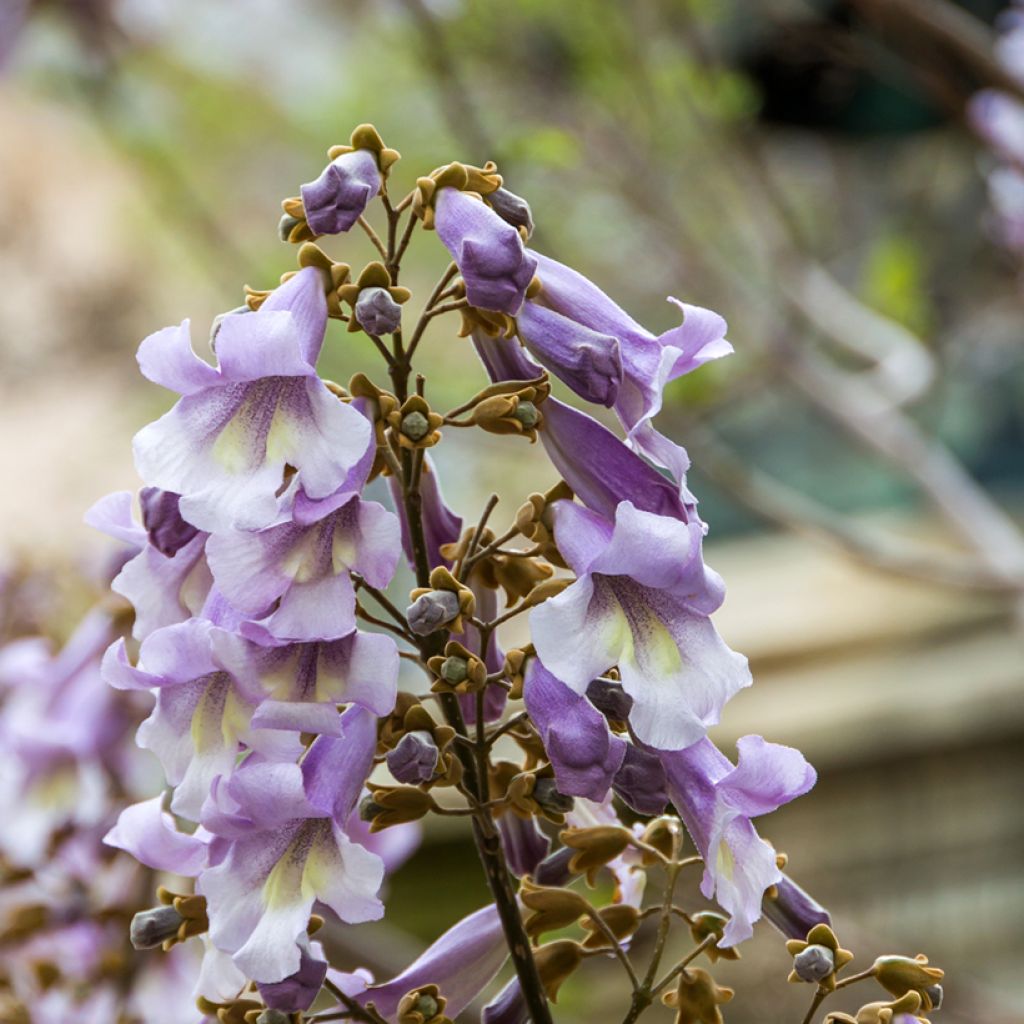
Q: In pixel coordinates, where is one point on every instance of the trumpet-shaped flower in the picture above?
(641, 602)
(284, 846)
(648, 362)
(340, 195)
(225, 445)
(203, 708)
(716, 801)
(166, 579)
(294, 576)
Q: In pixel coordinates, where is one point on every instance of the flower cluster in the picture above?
(295, 750)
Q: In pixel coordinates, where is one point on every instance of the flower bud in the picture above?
(512, 209)
(610, 699)
(820, 947)
(902, 974)
(705, 923)
(431, 611)
(595, 847)
(377, 311)
(545, 792)
(421, 1006)
(274, 1017)
(528, 414)
(415, 426)
(454, 670)
(394, 805)
(933, 994)
(551, 909)
(414, 760)
(640, 781)
(621, 919)
(151, 928)
(814, 963)
(293, 229)
(697, 997)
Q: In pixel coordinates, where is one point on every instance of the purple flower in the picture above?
(793, 911)
(489, 253)
(599, 468)
(641, 602)
(648, 362)
(285, 847)
(583, 752)
(294, 576)
(203, 710)
(304, 682)
(460, 963)
(524, 843)
(440, 524)
(148, 833)
(716, 801)
(298, 990)
(415, 758)
(164, 586)
(225, 445)
(340, 196)
(640, 781)
(587, 361)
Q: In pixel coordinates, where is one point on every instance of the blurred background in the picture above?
(810, 170)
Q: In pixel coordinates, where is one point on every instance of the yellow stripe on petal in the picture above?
(207, 719)
(233, 447)
(287, 884)
(282, 437)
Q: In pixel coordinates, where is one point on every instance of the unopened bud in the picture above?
(431, 611)
(426, 1006)
(369, 809)
(934, 994)
(377, 312)
(512, 209)
(151, 928)
(415, 426)
(414, 760)
(286, 227)
(273, 1017)
(527, 414)
(814, 963)
(454, 670)
(610, 699)
(547, 797)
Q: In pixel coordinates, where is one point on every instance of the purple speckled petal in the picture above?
(489, 253)
(583, 751)
(340, 195)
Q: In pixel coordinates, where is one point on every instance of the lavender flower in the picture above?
(225, 445)
(340, 195)
(489, 252)
(716, 801)
(641, 601)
